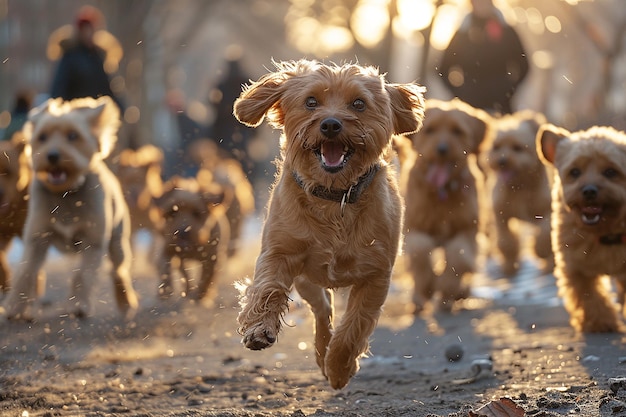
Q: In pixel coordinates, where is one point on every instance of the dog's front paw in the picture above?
(339, 372)
(258, 338)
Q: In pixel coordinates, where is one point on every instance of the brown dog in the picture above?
(140, 173)
(238, 193)
(14, 179)
(335, 213)
(76, 204)
(518, 188)
(588, 221)
(194, 230)
(441, 198)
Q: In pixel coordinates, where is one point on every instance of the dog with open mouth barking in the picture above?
(439, 185)
(588, 222)
(76, 204)
(335, 213)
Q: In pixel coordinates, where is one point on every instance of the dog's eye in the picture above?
(42, 137)
(574, 172)
(311, 103)
(358, 105)
(72, 135)
(518, 148)
(610, 173)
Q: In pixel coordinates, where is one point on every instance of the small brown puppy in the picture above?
(140, 173)
(588, 221)
(76, 204)
(518, 188)
(441, 198)
(14, 179)
(194, 230)
(335, 213)
(238, 193)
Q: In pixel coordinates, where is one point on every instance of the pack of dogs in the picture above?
(369, 171)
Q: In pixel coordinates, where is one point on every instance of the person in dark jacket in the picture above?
(485, 61)
(80, 72)
(19, 113)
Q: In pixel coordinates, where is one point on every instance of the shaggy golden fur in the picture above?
(238, 193)
(441, 198)
(518, 188)
(588, 222)
(195, 229)
(76, 204)
(14, 179)
(335, 214)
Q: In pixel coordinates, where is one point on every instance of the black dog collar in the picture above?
(614, 239)
(349, 196)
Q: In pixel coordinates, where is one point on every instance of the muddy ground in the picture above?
(180, 359)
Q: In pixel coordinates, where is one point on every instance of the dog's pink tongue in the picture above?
(332, 153)
(438, 175)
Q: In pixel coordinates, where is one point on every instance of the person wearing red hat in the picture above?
(80, 71)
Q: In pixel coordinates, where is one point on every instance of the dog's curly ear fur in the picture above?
(548, 138)
(259, 99)
(407, 103)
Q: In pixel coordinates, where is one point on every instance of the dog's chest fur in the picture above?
(75, 219)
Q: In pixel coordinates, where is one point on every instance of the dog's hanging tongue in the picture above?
(438, 175)
(332, 153)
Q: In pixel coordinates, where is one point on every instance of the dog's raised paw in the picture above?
(258, 339)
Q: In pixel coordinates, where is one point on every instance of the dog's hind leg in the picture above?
(321, 302)
(121, 258)
(350, 340)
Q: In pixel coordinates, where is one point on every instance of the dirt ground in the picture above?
(180, 359)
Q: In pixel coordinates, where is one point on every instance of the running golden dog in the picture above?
(335, 212)
(588, 222)
(519, 188)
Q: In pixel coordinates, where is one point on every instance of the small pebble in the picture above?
(454, 353)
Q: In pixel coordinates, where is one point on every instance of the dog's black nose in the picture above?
(331, 127)
(442, 149)
(502, 162)
(590, 191)
(53, 157)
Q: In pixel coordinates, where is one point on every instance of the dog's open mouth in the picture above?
(590, 215)
(506, 175)
(57, 176)
(334, 155)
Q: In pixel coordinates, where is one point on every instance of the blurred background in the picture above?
(170, 56)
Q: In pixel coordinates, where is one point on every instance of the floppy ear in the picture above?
(259, 99)
(407, 105)
(104, 117)
(548, 137)
(480, 123)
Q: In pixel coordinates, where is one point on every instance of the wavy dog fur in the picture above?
(337, 124)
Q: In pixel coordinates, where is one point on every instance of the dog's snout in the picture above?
(331, 127)
(590, 191)
(54, 157)
(442, 149)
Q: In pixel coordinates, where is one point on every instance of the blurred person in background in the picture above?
(230, 135)
(81, 69)
(485, 61)
(19, 113)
